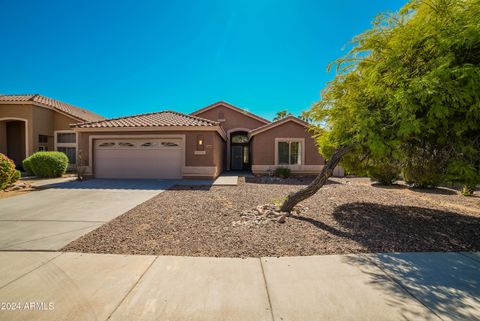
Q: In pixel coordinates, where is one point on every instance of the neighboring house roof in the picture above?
(274, 124)
(162, 118)
(36, 99)
(225, 104)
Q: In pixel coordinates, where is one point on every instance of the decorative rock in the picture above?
(264, 214)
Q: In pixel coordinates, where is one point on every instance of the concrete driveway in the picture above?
(52, 218)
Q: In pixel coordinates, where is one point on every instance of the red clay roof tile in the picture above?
(162, 118)
(77, 112)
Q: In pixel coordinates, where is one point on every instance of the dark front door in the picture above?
(237, 158)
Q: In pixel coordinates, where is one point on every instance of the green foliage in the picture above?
(468, 189)
(27, 165)
(410, 89)
(7, 172)
(282, 114)
(385, 173)
(49, 164)
(15, 177)
(282, 172)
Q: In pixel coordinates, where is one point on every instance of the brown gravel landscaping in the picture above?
(349, 215)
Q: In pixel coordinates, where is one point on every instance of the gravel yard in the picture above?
(349, 215)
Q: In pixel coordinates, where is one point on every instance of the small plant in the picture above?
(426, 176)
(8, 173)
(49, 164)
(27, 166)
(468, 189)
(385, 174)
(282, 172)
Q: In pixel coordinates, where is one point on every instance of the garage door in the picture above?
(135, 158)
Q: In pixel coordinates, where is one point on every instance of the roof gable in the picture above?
(277, 123)
(232, 107)
(39, 100)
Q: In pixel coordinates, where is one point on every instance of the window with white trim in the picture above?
(66, 142)
(289, 152)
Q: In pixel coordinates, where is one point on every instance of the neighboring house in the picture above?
(31, 123)
(218, 137)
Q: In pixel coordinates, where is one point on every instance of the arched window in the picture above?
(239, 138)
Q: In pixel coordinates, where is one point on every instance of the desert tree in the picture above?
(407, 93)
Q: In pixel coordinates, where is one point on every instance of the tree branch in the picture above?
(327, 171)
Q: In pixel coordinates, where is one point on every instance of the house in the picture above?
(31, 123)
(210, 140)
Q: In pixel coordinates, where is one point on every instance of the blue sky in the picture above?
(126, 57)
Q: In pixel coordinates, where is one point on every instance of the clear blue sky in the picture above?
(125, 57)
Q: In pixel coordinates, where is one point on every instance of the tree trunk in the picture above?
(327, 171)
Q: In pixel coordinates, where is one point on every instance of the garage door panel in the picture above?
(138, 162)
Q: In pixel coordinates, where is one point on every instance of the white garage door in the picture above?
(138, 158)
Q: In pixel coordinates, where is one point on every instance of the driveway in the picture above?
(52, 218)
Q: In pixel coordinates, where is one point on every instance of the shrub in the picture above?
(15, 177)
(468, 189)
(385, 174)
(422, 176)
(7, 172)
(282, 172)
(49, 164)
(27, 165)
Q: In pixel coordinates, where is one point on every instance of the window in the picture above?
(43, 139)
(42, 148)
(239, 139)
(125, 144)
(66, 138)
(71, 153)
(66, 142)
(289, 153)
(169, 144)
(107, 144)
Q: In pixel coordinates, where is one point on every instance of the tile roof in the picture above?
(228, 105)
(77, 112)
(277, 123)
(162, 118)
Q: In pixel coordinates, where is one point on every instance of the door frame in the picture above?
(27, 149)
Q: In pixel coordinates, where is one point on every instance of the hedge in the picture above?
(48, 164)
(8, 173)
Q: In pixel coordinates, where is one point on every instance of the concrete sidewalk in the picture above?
(74, 286)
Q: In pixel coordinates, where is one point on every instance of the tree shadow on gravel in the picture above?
(448, 284)
(438, 190)
(383, 228)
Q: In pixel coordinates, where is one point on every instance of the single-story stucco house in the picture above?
(169, 144)
(31, 123)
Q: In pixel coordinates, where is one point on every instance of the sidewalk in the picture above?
(404, 286)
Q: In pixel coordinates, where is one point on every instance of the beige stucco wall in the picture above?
(196, 165)
(233, 119)
(40, 121)
(263, 149)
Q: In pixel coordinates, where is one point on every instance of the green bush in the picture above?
(49, 164)
(7, 172)
(15, 177)
(27, 166)
(282, 172)
(468, 189)
(385, 174)
(427, 175)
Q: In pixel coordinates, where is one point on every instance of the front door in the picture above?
(237, 158)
